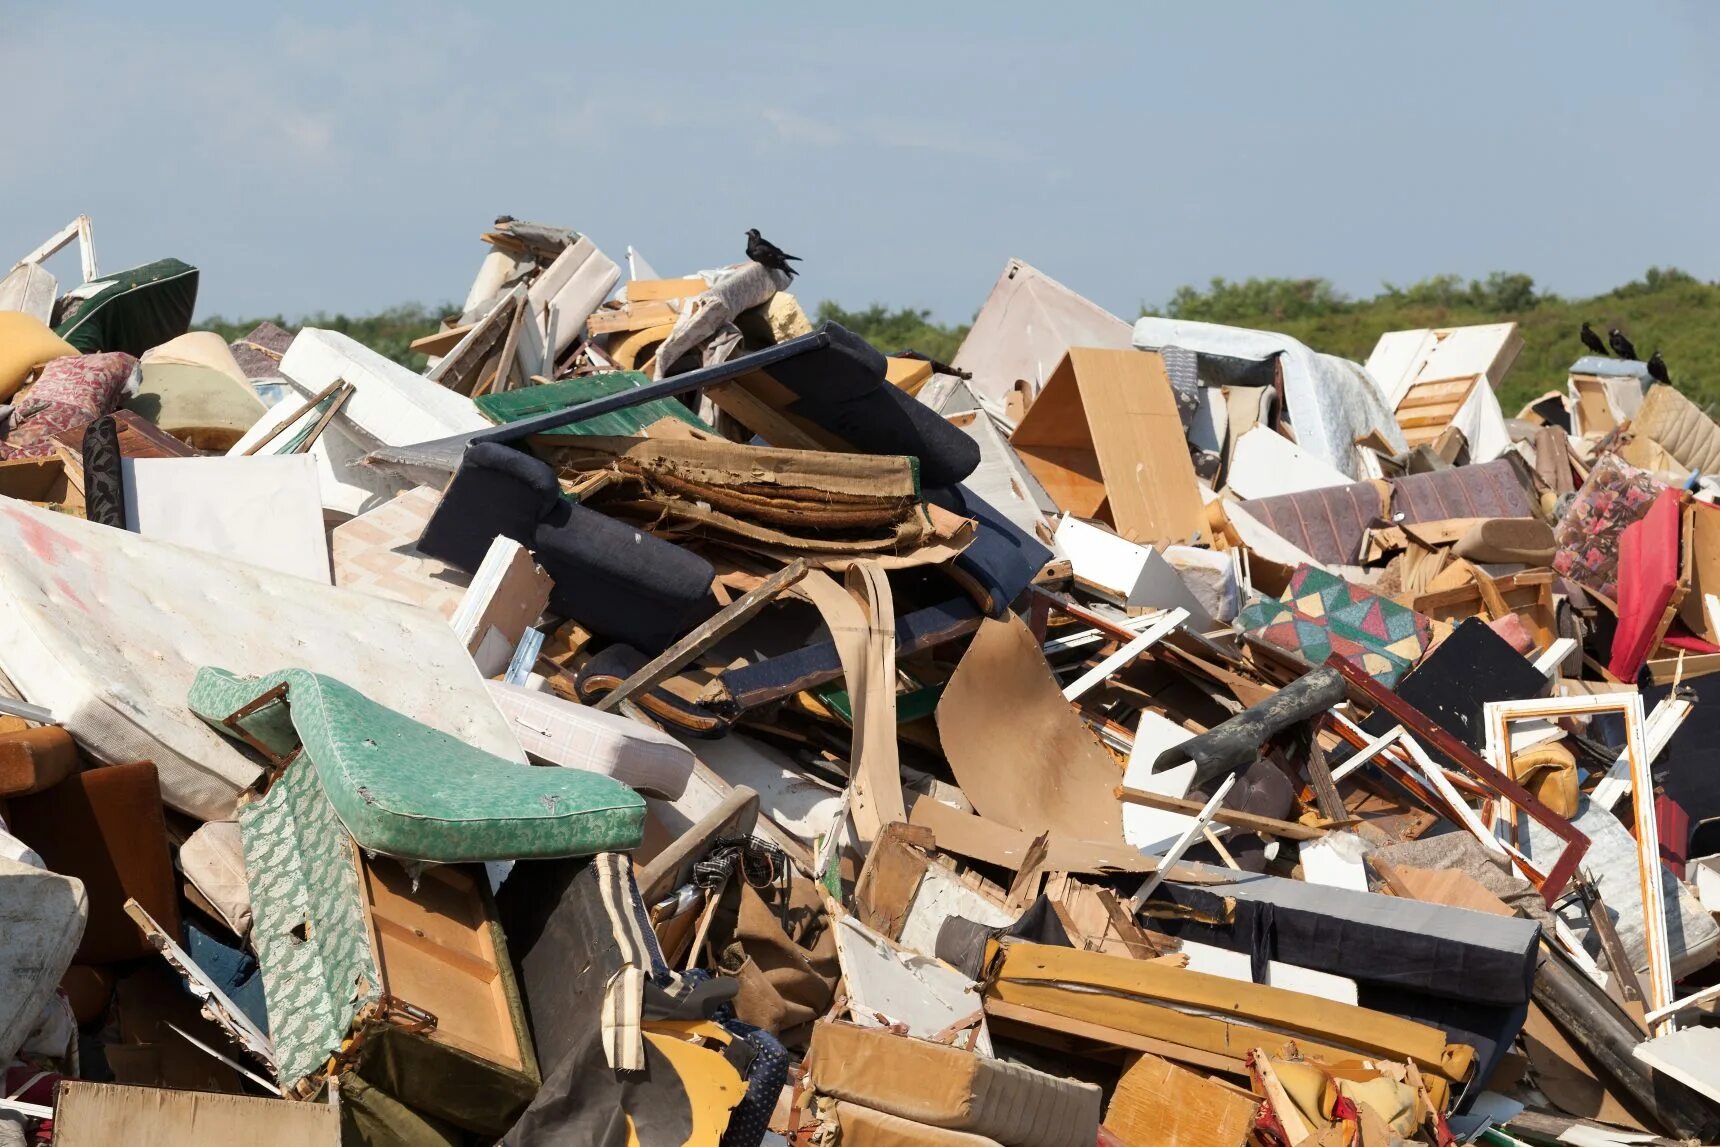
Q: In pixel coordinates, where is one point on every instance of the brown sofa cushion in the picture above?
(105, 827)
(35, 759)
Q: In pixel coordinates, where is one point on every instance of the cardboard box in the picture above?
(1105, 439)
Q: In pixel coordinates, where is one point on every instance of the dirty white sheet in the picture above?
(1332, 401)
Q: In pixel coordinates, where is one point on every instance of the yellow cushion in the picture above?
(25, 344)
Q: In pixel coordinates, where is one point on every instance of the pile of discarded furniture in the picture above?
(667, 720)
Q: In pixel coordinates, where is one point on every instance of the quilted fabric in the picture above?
(1322, 614)
(1681, 429)
(69, 393)
(1615, 495)
(405, 790)
(307, 921)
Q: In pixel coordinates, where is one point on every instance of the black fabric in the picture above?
(1489, 1029)
(104, 484)
(449, 1087)
(773, 678)
(1379, 940)
(1236, 743)
(842, 388)
(621, 583)
(1454, 682)
(1264, 789)
(370, 1117)
(1689, 769)
(564, 941)
(497, 492)
(1002, 559)
(138, 309)
(961, 942)
(605, 671)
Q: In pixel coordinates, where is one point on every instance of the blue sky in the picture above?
(346, 156)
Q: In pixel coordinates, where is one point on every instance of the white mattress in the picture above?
(263, 511)
(556, 731)
(44, 914)
(107, 629)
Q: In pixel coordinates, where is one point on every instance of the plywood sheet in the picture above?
(1158, 1104)
(1105, 439)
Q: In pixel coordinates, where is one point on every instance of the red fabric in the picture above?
(1672, 824)
(1688, 643)
(1647, 576)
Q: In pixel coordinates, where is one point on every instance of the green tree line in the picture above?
(1666, 309)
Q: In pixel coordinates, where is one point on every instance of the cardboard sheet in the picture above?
(103, 1114)
(107, 629)
(1018, 750)
(261, 511)
(1105, 439)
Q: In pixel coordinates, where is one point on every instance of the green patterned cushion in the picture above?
(405, 790)
(308, 921)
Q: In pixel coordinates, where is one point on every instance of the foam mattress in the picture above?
(108, 629)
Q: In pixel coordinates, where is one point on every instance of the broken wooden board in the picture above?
(1158, 1104)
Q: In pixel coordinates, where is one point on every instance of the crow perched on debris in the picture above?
(1620, 345)
(1593, 341)
(762, 250)
(1657, 368)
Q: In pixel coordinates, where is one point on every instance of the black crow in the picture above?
(1657, 368)
(762, 250)
(1620, 345)
(1593, 341)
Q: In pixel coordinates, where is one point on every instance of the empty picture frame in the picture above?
(1465, 758)
(1497, 718)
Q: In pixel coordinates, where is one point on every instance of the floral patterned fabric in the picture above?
(1615, 495)
(71, 392)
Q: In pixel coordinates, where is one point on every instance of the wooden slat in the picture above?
(649, 290)
(1264, 825)
(1045, 1027)
(441, 342)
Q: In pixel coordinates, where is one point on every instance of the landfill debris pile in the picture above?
(667, 721)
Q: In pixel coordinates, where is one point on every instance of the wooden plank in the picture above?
(726, 621)
(891, 876)
(635, 316)
(1158, 1104)
(1265, 825)
(441, 342)
(1201, 1010)
(652, 290)
(1045, 1027)
(763, 419)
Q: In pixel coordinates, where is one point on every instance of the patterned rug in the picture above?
(1321, 614)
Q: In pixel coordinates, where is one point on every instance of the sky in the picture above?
(345, 157)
